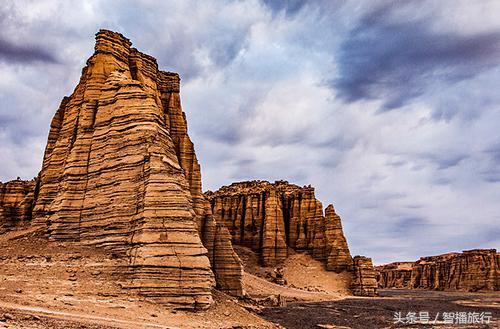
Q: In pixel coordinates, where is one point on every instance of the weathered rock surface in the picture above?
(269, 218)
(471, 270)
(272, 218)
(120, 173)
(16, 203)
(364, 281)
(394, 275)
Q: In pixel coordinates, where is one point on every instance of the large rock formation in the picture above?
(16, 203)
(364, 277)
(120, 173)
(471, 270)
(269, 218)
(272, 218)
(394, 275)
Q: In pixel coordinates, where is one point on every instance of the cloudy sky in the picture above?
(391, 109)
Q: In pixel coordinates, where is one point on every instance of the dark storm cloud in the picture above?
(410, 225)
(445, 162)
(494, 153)
(26, 53)
(291, 7)
(397, 60)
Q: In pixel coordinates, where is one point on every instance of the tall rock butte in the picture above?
(120, 173)
(274, 218)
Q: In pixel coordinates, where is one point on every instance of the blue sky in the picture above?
(390, 109)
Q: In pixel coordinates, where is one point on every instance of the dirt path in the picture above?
(80, 318)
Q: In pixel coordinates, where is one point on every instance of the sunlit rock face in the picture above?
(120, 173)
(272, 217)
(470, 270)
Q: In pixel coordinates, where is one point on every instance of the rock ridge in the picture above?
(470, 270)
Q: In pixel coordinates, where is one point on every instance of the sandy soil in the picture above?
(64, 285)
(304, 272)
(306, 278)
(61, 285)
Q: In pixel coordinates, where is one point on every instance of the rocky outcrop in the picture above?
(471, 270)
(16, 203)
(338, 257)
(364, 281)
(274, 218)
(120, 173)
(269, 218)
(394, 275)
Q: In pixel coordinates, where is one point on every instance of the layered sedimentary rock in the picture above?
(338, 257)
(274, 218)
(394, 275)
(120, 172)
(16, 203)
(269, 218)
(471, 270)
(364, 281)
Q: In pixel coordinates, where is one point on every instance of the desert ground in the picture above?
(45, 284)
(378, 312)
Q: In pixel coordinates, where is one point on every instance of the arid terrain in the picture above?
(45, 284)
(63, 285)
(379, 312)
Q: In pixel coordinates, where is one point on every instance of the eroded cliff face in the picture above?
(394, 275)
(269, 218)
(274, 218)
(120, 173)
(16, 203)
(471, 270)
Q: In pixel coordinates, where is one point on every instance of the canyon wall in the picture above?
(471, 270)
(274, 218)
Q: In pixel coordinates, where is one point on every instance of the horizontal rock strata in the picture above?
(120, 173)
(364, 281)
(273, 218)
(16, 203)
(269, 218)
(471, 270)
(394, 275)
